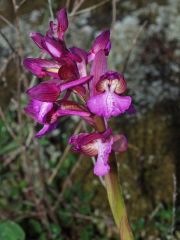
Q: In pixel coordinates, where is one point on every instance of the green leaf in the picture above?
(56, 230)
(36, 226)
(9, 230)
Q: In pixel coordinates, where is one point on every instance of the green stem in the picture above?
(114, 193)
(116, 201)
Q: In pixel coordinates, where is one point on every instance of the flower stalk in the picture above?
(114, 193)
(116, 201)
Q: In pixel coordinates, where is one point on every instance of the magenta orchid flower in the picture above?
(82, 64)
(106, 88)
(100, 91)
(100, 145)
(58, 27)
(109, 87)
(94, 144)
(47, 113)
(39, 112)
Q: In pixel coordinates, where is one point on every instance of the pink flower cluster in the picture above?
(99, 90)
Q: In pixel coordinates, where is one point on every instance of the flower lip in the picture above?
(111, 104)
(101, 166)
(112, 81)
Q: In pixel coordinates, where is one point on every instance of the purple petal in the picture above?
(120, 143)
(99, 67)
(76, 141)
(52, 31)
(42, 67)
(108, 48)
(37, 38)
(68, 71)
(82, 64)
(131, 109)
(108, 104)
(38, 110)
(74, 57)
(102, 42)
(105, 135)
(74, 83)
(67, 112)
(80, 52)
(101, 167)
(46, 129)
(54, 47)
(62, 22)
(47, 91)
(67, 107)
(80, 91)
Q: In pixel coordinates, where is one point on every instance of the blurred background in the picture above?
(48, 192)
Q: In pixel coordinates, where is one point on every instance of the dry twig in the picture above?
(76, 6)
(7, 22)
(63, 157)
(113, 13)
(134, 42)
(89, 8)
(8, 42)
(68, 181)
(51, 9)
(174, 204)
(9, 129)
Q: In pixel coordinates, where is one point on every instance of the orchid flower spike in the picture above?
(99, 96)
(71, 70)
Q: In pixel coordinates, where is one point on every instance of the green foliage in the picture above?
(87, 233)
(138, 227)
(9, 230)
